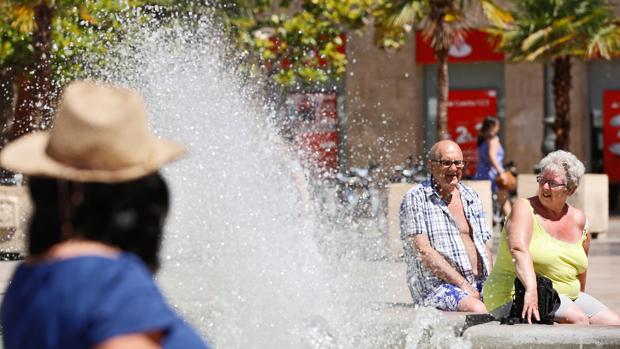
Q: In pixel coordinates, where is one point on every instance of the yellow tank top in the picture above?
(558, 260)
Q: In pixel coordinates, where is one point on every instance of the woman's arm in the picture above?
(519, 235)
(581, 223)
(493, 147)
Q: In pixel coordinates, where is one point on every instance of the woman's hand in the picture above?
(503, 176)
(530, 306)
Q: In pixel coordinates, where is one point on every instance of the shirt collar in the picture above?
(430, 190)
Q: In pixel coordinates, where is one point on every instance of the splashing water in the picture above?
(241, 259)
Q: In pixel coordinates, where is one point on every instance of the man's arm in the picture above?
(487, 231)
(438, 265)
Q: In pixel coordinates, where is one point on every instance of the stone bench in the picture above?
(15, 208)
(400, 327)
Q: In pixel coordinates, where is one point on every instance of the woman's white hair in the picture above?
(561, 161)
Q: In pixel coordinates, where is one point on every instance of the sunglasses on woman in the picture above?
(552, 184)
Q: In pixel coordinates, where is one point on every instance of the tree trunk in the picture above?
(561, 101)
(443, 86)
(23, 107)
(41, 101)
(441, 39)
(7, 105)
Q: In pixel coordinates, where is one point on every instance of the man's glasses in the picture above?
(542, 180)
(448, 163)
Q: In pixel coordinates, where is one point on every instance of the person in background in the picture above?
(490, 157)
(546, 235)
(94, 238)
(446, 237)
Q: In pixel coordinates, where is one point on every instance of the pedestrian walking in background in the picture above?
(94, 238)
(490, 158)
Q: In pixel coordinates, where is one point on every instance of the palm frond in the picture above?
(411, 13)
(548, 47)
(605, 42)
(498, 16)
(22, 18)
(557, 28)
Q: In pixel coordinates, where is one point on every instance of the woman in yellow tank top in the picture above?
(545, 235)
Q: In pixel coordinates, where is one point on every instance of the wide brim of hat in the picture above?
(27, 155)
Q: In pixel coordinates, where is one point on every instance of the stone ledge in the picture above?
(493, 335)
(400, 326)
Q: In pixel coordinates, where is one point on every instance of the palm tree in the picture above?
(443, 23)
(35, 17)
(83, 23)
(556, 31)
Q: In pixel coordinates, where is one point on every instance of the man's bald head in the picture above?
(443, 147)
(446, 177)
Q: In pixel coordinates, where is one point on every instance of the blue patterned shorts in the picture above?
(447, 296)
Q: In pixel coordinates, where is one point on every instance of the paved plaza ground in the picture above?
(603, 273)
(383, 282)
(604, 269)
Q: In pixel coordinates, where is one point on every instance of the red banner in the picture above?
(466, 111)
(476, 47)
(611, 134)
(314, 118)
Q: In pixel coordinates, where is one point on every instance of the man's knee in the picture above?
(472, 305)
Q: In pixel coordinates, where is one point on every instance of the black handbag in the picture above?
(548, 302)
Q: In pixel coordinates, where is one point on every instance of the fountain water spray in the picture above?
(241, 258)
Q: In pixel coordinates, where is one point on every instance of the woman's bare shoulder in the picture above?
(522, 204)
(578, 216)
(521, 210)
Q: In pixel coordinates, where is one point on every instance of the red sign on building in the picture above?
(314, 118)
(611, 134)
(477, 46)
(466, 111)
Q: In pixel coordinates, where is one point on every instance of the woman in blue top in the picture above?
(490, 157)
(94, 238)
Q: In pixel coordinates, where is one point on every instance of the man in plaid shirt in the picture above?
(446, 237)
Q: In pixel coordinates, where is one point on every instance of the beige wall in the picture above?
(579, 115)
(383, 106)
(524, 111)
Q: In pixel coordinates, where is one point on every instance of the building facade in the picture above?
(390, 101)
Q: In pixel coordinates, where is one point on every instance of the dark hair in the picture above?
(487, 126)
(128, 215)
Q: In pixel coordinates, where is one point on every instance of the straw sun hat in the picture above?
(100, 134)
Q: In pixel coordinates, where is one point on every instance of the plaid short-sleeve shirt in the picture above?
(422, 211)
